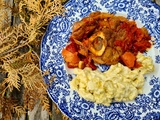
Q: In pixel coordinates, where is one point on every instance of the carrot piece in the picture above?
(70, 57)
(128, 59)
(137, 64)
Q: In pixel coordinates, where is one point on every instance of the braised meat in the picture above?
(102, 38)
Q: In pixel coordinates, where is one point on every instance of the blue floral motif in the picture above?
(63, 105)
(157, 59)
(114, 115)
(154, 80)
(144, 102)
(152, 18)
(129, 115)
(59, 61)
(54, 93)
(145, 107)
(61, 25)
(155, 92)
(85, 105)
(119, 106)
(88, 7)
(76, 109)
(134, 12)
(145, 3)
(98, 118)
(103, 67)
(152, 116)
(157, 27)
(120, 5)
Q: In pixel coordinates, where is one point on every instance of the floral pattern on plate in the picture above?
(145, 106)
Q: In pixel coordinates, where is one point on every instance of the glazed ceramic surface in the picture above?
(145, 107)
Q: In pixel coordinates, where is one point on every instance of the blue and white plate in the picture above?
(145, 106)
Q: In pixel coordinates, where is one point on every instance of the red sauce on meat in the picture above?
(122, 36)
(135, 40)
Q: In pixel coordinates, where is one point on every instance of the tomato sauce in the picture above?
(127, 36)
(136, 40)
